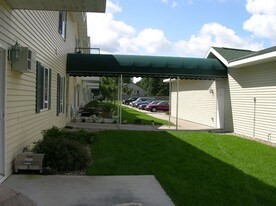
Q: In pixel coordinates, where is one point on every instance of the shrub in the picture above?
(81, 136)
(65, 151)
(108, 109)
(92, 104)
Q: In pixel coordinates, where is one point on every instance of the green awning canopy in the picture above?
(144, 66)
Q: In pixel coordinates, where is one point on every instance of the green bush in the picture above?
(108, 109)
(92, 104)
(81, 136)
(65, 151)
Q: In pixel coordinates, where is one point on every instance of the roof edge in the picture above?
(255, 59)
(218, 55)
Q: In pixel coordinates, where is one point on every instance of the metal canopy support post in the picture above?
(118, 105)
(170, 101)
(121, 98)
(177, 103)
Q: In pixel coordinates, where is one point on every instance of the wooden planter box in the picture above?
(29, 161)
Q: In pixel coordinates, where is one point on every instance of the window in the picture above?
(60, 94)
(62, 24)
(43, 88)
(67, 96)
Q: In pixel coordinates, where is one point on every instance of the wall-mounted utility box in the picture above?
(26, 62)
(29, 161)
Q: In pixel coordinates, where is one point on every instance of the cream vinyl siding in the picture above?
(196, 103)
(37, 30)
(228, 117)
(255, 120)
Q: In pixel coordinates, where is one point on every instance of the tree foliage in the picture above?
(154, 86)
(109, 87)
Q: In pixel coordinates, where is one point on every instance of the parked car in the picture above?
(131, 99)
(143, 106)
(140, 99)
(142, 102)
(159, 106)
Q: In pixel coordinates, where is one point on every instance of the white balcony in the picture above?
(91, 79)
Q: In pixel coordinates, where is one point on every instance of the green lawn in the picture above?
(131, 115)
(193, 168)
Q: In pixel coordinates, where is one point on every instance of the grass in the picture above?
(131, 115)
(193, 168)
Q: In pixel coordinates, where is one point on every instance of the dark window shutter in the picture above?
(38, 87)
(58, 94)
(50, 80)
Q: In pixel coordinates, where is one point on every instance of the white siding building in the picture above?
(244, 103)
(37, 100)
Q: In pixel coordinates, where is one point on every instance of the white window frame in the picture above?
(62, 24)
(61, 92)
(44, 101)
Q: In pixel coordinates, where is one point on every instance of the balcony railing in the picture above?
(80, 50)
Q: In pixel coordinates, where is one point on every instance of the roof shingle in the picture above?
(231, 54)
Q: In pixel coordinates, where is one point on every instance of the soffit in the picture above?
(60, 5)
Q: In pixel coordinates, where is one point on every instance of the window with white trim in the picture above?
(62, 23)
(60, 94)
(43, 88)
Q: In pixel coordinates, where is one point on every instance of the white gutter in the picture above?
(254, 60)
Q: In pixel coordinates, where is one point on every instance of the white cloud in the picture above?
(113, 36)
(105, 31)
(165, 1)
(262, 23)
(213, 34)
(112, 7)
(174, 4)
(151, 41)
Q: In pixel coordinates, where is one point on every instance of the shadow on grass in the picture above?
(188, 175)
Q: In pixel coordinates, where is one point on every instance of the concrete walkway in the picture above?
(56, 190)
(183, 125)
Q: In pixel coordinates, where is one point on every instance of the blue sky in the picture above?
(182, 27)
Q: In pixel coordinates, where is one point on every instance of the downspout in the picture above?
(254, 117)
(118, 106)
(170, 101)
(177, 103)
(121, 99)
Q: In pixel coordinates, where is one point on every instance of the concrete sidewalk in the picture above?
(57, 190)
(183, 125)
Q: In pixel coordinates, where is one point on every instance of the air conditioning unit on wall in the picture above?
(26, 62)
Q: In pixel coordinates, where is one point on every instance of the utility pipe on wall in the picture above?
(170, 101)
(177, 103)
(121, 98)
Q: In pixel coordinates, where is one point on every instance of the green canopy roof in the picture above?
(144, 66)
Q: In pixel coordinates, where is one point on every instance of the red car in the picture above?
(159, 106)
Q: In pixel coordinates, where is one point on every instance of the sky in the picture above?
(184, 28)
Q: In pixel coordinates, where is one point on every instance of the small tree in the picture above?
(109, 88)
